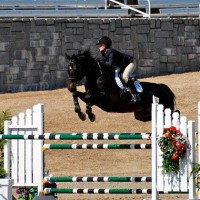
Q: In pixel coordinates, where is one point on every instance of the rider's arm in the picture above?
(110, 61)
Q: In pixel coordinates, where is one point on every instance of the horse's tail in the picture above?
(168, 98)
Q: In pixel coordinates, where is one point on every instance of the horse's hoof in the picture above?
(82, 116)
(92, 117)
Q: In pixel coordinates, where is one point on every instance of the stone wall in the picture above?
(32, 51)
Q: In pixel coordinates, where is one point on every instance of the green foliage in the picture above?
(195, 172)
(2, 143)
(4, 115)
(3, 173)
(196, 169)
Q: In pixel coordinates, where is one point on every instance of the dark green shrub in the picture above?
(4, 115)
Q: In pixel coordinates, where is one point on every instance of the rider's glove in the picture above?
(101, 62)
(98, 60)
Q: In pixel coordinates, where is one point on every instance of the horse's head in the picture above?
(77, 68)
(72, 73)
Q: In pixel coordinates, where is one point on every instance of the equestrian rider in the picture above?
(120, 62)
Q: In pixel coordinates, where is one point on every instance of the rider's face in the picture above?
(102, 47)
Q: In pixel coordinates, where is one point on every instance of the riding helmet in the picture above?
(105, 40)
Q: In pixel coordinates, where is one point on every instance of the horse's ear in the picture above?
(87, 53)
(68, 57)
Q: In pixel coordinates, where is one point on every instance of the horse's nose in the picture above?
(71, 86)
(71, 89)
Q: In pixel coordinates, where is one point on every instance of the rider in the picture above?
(120, 62)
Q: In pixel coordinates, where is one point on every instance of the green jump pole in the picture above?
(96, 146)
(96, 179)
(80, 136)
(96, 191)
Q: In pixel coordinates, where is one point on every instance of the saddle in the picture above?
(133, 87)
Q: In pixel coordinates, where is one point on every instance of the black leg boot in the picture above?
(131, 88)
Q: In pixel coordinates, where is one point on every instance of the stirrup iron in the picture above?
(133, 98)
(138, 86)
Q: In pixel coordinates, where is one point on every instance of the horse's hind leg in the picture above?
(89, 112)
(143, 116)
(77, 107)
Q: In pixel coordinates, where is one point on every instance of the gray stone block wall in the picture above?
(32, 51)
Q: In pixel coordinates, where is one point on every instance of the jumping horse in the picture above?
(84, 67)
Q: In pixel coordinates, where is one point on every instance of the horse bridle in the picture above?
(74, 79)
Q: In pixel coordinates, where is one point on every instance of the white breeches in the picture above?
(128, 71)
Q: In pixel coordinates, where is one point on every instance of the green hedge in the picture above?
(4, 115)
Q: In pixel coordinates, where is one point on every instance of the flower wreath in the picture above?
(173, 145)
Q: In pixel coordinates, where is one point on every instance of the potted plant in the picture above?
(5, 183)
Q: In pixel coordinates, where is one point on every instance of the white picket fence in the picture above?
(173, 182)
(24, 158)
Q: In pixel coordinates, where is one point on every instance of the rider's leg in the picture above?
(128, 71)
(129, 83)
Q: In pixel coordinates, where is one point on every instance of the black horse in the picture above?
(83, 67)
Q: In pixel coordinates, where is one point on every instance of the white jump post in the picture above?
(24, 158)
(174, 182)
(154, 194)
(199, 138)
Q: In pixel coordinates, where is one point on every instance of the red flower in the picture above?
(181, 147)
(179, 132)
(26, 192)
(178, 146)
(173, 129)
(47, 185)
(166, 130)
(184, 147)
(175, 157)
(168, 136)
(18, 191)
(174, 142)
(50, 185)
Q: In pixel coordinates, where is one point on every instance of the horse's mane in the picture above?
(87, 53)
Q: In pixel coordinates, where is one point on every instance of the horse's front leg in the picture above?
(77, 107)
(88, 99)
(89, 112)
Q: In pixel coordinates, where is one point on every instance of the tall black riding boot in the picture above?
(131, 88)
